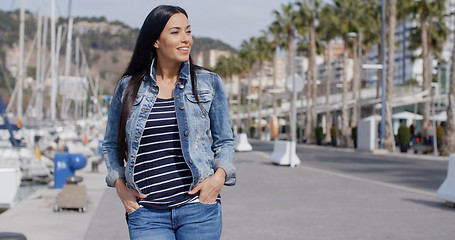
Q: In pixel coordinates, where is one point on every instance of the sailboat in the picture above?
(43, 134)
(10, 173)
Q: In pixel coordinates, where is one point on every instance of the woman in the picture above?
(167, 173)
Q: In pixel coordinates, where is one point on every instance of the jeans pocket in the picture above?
(208, 204)
(133, 212)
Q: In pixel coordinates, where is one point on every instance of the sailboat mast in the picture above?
(53, 65)
(69, 42)
(69, 47)
(39, 113)
(40, 97)
(20, 75)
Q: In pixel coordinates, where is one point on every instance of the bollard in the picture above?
(446, 191)
(65, 165)
(283, 151)
(12, 236)
(242, 144)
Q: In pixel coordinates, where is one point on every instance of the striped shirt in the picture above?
(161, 172)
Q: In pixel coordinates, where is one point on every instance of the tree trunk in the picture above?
(291, 72)
(314, 75)
(328, 117)
(344, 110)
(239, 103)
(378, 82)
(258, 124)
(390, 74)
(231, 98)
(355, 84)
(250, 120)
(275, 105)
(426, 74)
(449, 140)
(308, 122)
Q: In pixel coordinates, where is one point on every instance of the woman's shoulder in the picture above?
(205, 74)
(123, 83)
(124, 80)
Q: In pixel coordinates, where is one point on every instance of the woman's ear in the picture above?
(156, 44)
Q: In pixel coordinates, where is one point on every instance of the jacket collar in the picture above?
(184, 75)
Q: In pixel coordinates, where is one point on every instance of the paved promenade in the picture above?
(268, 202)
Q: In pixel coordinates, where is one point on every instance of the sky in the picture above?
(230, 21)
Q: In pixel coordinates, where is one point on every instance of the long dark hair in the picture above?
(139, 66)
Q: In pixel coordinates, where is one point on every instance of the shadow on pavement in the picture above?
(433, 204)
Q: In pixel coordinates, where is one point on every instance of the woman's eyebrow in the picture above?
(179, 27)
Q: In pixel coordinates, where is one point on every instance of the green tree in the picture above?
(285, 22)
(432, 32)
(389, 138)
(308, 13)
(264, 52)
(278, 40)
(327, 30)
(248, 55)
(230, 68)
(449, 141)
(347, 12)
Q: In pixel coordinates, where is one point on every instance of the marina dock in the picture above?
(270, 202)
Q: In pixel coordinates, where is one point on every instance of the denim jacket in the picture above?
(195, 124)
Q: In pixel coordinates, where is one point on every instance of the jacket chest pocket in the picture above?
(202, 109)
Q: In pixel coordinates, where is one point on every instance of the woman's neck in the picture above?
(166, 77)
(167, 73)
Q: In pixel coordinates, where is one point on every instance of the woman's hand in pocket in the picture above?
(127, 195)
(210, 187)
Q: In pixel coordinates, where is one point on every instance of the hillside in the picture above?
(107, 45)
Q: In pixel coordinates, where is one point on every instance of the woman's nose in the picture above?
(185, 38)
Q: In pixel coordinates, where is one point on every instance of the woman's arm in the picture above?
(223, 140)
(110, 143)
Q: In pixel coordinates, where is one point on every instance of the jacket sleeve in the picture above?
(110, 143)
(220, 125)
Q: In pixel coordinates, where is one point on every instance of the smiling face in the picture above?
(174, 43)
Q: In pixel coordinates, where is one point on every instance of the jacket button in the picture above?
(181, 86)
(191, 161)
(182, 107)
(186, 133)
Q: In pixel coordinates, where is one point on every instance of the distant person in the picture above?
(440, 129)
(430, 134)
(159, 157)
(412, 131)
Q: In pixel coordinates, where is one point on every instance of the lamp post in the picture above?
(294, 84)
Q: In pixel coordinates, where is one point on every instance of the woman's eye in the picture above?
(189, 31)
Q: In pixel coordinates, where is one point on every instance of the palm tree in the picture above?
(306, 21)
(327, 29)
(230, 68)
(285, 21)
(348, 14)
(264, 52)
(389, 141)
(449, 143)
(278, 41)
(248, 56)
(432, 32)
(303, 49)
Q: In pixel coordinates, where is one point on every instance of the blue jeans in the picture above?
(194, 221)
